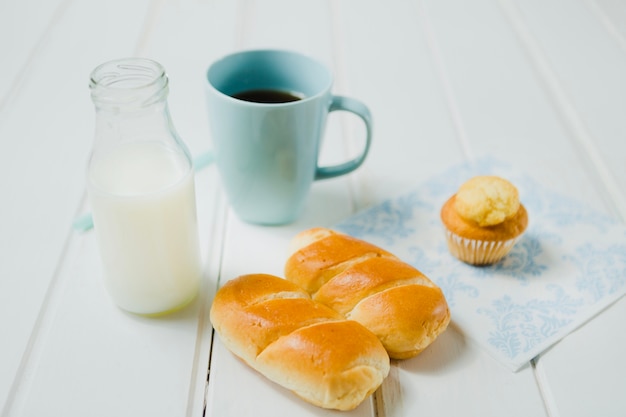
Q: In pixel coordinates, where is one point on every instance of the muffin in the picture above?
(483, 220)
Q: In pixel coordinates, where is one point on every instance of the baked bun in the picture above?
(276, 328)
(483, 220)
(365, 283)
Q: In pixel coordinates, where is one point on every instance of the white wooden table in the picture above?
(540, 84)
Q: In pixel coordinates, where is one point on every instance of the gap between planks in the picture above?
(573, 123)
(32, 353)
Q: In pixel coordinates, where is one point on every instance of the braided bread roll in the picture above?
(276, 328)
(365, 283)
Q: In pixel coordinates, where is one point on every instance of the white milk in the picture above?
(144, 213)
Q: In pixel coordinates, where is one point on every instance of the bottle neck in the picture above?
(130, 97)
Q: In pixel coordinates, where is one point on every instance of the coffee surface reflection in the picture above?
(267, 96)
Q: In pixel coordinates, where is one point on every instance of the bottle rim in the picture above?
(128, 82)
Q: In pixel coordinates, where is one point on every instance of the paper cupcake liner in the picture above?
(478, 252)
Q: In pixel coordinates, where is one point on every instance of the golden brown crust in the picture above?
(318, 261)
(508, 229)
(406, 319)
(343, 291)
(336, 362)
(276, 328)
(370, 285)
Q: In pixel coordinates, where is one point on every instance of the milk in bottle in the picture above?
(141, 189)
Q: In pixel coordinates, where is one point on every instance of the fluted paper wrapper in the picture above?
(478, 252)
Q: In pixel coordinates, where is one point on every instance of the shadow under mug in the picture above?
(267, 153)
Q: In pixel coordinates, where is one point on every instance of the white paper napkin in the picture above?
(569, 265)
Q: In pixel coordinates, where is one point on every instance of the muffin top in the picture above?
(487, 200)
(506, 230)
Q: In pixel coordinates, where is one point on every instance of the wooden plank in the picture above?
(584, 374)
(612, 15)
(249, 248)
(112, 355)
(589, 84)
(22, 37)
(50, 128)
(44, 366)
(166, 358)
(433, 62)
(391, 70)
(506, 112)
(17, 22)
(585, 83)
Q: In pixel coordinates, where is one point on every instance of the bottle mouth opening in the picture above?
(126, 81)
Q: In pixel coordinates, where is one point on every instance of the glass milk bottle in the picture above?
(141, 189)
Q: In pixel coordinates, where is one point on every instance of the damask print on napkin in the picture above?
(562, 211)
(602, 271)
(519, 327)
(521, 264)
(568, 266)
(453, 286)
(389, 220)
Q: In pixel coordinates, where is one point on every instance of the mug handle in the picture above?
(361, 110)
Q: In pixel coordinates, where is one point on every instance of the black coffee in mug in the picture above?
(267, 96)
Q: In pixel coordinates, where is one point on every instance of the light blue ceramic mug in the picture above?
(266, 147)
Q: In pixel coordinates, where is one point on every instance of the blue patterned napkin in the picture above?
(569, 265)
